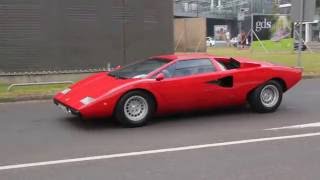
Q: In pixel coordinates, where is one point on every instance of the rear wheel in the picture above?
(267, 97)
(135, 108)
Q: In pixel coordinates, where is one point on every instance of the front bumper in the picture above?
(66, 108)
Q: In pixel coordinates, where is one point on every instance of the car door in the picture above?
(218, 89)
(185, 85)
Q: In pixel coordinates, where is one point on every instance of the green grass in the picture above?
(310, 61)
(35, 90)
(283, 45)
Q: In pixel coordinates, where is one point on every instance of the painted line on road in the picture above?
(300, 126)
(158, 151)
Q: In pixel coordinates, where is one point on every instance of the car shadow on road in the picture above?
(204, 115)
(92, 124)
(178, 118)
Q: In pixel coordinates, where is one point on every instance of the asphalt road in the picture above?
(233, 143)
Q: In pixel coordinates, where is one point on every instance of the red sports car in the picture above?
(174, 83)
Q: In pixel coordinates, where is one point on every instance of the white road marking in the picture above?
(300, 126)
(139, 153)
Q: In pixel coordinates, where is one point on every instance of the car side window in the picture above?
(169, 71)
(188, 67)
(192, 67)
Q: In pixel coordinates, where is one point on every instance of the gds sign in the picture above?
(264, 24)
(272, 27)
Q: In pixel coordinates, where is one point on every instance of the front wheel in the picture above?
(266, 98)
(135, 108)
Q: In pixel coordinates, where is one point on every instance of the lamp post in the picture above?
(197, 8)
(300, 33)
(211, 5)
(251, 12)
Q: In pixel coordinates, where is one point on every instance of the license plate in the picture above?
(63, 108)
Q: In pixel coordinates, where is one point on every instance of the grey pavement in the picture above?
(39, 131)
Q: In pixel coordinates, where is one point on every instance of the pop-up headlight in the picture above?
(87, 100)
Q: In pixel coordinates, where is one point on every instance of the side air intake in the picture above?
(223, 82)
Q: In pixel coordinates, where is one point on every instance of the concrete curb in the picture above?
(310, 76)
(49, 96)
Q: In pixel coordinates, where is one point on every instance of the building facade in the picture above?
(311, 30)
(222, 12)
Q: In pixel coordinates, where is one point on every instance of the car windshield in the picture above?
(138, 70)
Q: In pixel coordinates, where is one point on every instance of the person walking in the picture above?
(228, 38)
(249, 40)
(243, 39)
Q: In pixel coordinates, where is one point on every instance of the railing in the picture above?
(39, 83)
(204, 8)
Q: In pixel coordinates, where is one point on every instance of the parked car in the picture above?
(234, 41)
(210, 41)
(173, 83)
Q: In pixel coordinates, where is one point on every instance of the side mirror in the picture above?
(160, 77)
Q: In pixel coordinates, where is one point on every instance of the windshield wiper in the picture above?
(121, 77)
(117, 76)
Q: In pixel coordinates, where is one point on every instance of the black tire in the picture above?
(124, 117)
(255, 98)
